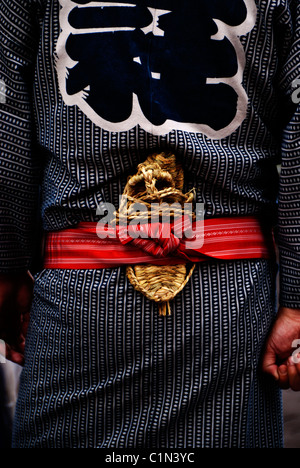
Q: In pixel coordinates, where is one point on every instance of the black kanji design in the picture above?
(140, 64)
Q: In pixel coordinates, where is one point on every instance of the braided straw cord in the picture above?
(157, 184)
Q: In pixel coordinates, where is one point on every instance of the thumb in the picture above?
(269, 362)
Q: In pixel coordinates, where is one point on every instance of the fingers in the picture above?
(14, 355)
(284, 381)
(287, 375)
(280, 374)
(16, 294)
(269, 364)
(293, 369)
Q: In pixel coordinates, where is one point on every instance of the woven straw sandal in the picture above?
(157, 184)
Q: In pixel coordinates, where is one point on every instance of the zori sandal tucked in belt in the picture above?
(160, 255)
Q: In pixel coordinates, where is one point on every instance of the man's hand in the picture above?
(278, 360)
(16, 293)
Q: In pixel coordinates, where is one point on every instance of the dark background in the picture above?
(292, 419)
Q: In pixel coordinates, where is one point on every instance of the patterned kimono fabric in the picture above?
(89, 90)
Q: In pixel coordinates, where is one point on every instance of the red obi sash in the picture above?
(221, 239)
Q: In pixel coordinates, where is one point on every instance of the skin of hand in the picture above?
(281, 359)
(16, 293)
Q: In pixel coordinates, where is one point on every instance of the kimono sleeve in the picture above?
(18, 166)
(289, 195)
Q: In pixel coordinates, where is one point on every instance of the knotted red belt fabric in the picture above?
(223, 239)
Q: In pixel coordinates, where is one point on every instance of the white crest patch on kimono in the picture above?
(179, 67)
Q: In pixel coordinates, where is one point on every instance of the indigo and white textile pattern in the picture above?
(104, 370)
(87, 90)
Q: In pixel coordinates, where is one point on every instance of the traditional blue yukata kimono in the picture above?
(88, 90)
